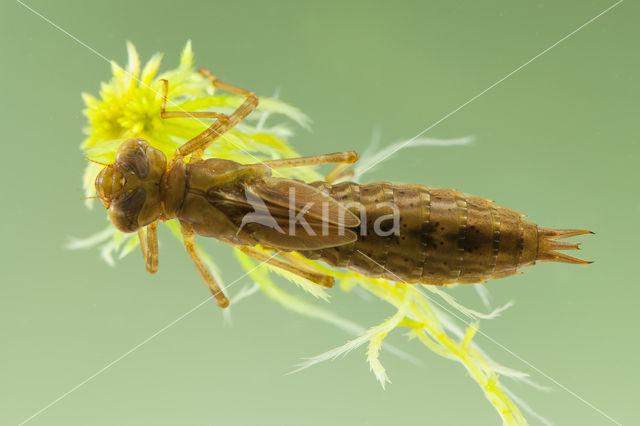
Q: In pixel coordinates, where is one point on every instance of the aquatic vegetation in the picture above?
(129, 106)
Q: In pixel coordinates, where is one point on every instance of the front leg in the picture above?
(195, 145)
(250, 103)
(149, 246)
(223, 123)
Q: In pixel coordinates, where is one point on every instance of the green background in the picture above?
(557, 140)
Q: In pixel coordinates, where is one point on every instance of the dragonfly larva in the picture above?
(409, 233)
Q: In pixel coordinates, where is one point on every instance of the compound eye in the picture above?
(124, 212)
(132, 154)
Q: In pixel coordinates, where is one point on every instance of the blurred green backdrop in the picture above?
(558, 140)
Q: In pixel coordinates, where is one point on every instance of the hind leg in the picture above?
(297, 268)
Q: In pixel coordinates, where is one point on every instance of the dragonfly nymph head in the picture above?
(130, 187)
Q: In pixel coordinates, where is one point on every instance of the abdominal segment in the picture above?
(436, 236)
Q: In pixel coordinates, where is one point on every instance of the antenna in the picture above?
(96, 162)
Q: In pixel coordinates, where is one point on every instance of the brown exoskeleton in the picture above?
(408, 233)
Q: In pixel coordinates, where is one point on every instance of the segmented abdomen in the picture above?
(442, 236)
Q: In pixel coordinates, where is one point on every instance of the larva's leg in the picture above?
(306, 272)
(149, 246)
(341, 158)
(338, 172)
(152, 247)
(299, 263)
(250, 103)
(216, 129)
(205, 274)
(142, 239)
(204, 139)
(182, 114)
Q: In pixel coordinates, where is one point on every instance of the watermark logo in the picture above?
(321, 217)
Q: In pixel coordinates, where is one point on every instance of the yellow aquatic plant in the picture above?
(129, 106)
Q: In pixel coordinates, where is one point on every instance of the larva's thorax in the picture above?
(440, 236)
(210, 198)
